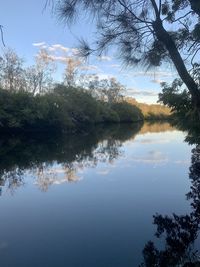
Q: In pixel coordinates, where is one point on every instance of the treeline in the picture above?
(31, 101)
(63, 109)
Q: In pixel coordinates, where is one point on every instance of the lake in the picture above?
(96, 199)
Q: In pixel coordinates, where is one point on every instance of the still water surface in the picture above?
(89, 200)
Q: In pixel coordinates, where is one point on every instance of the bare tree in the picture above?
(11, 71)
(39, 77)
(71, 70)
(108, 90)
(141, 31)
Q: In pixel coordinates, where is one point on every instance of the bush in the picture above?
(127, 112)
(63, 109)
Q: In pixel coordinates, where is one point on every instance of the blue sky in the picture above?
(26, 25)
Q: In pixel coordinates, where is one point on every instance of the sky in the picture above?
(28, 27)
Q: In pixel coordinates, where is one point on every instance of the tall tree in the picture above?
(71, 70)
(11, 71)
(142, 32)
(39, 76)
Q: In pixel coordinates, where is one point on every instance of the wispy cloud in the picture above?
(103, 172)
(115, 66)
(104, 58)
(152, 141)
(89, 67)
(39, 44)
(153, 157)
(182, 162)
(156, 74)
(157, 81)
(137, 92)
(59, 47)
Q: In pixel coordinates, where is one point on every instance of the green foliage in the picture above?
(127, 112)
(175, 97)
(63, 109)
(140, 33)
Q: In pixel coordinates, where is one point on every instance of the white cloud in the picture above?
(59, 47)
(156, 74)
(104, 58)
(89, 67)
(115, 66)
(58, 58)
(137, 92)
(39, 44)
(157, 81)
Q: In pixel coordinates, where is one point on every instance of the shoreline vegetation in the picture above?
(69, 109)
(32, 101)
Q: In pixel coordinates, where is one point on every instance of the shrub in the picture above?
(127, 112)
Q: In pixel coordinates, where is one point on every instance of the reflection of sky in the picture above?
(106, 218)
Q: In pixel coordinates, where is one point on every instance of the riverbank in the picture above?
(64, 109)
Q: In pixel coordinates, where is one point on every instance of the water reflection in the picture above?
(179, 231)
(58, 159)
(109, 213)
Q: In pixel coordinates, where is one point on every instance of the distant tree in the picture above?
(108, 90)
(39, 76)
(11, 71)
(72, 66)
(142, 32)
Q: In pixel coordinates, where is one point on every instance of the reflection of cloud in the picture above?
(182, 162)
(134, 92)
(151, 141)
(153, 157)
(103, 172)
(55, 176)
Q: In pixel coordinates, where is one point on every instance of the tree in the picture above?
(11, 71)
(71, 70)
(140, 29)
(39, 76)
(107, 90)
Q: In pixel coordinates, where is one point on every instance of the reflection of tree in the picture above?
(156, 127)
(12, 180)
(180, 232)
(57, 159)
